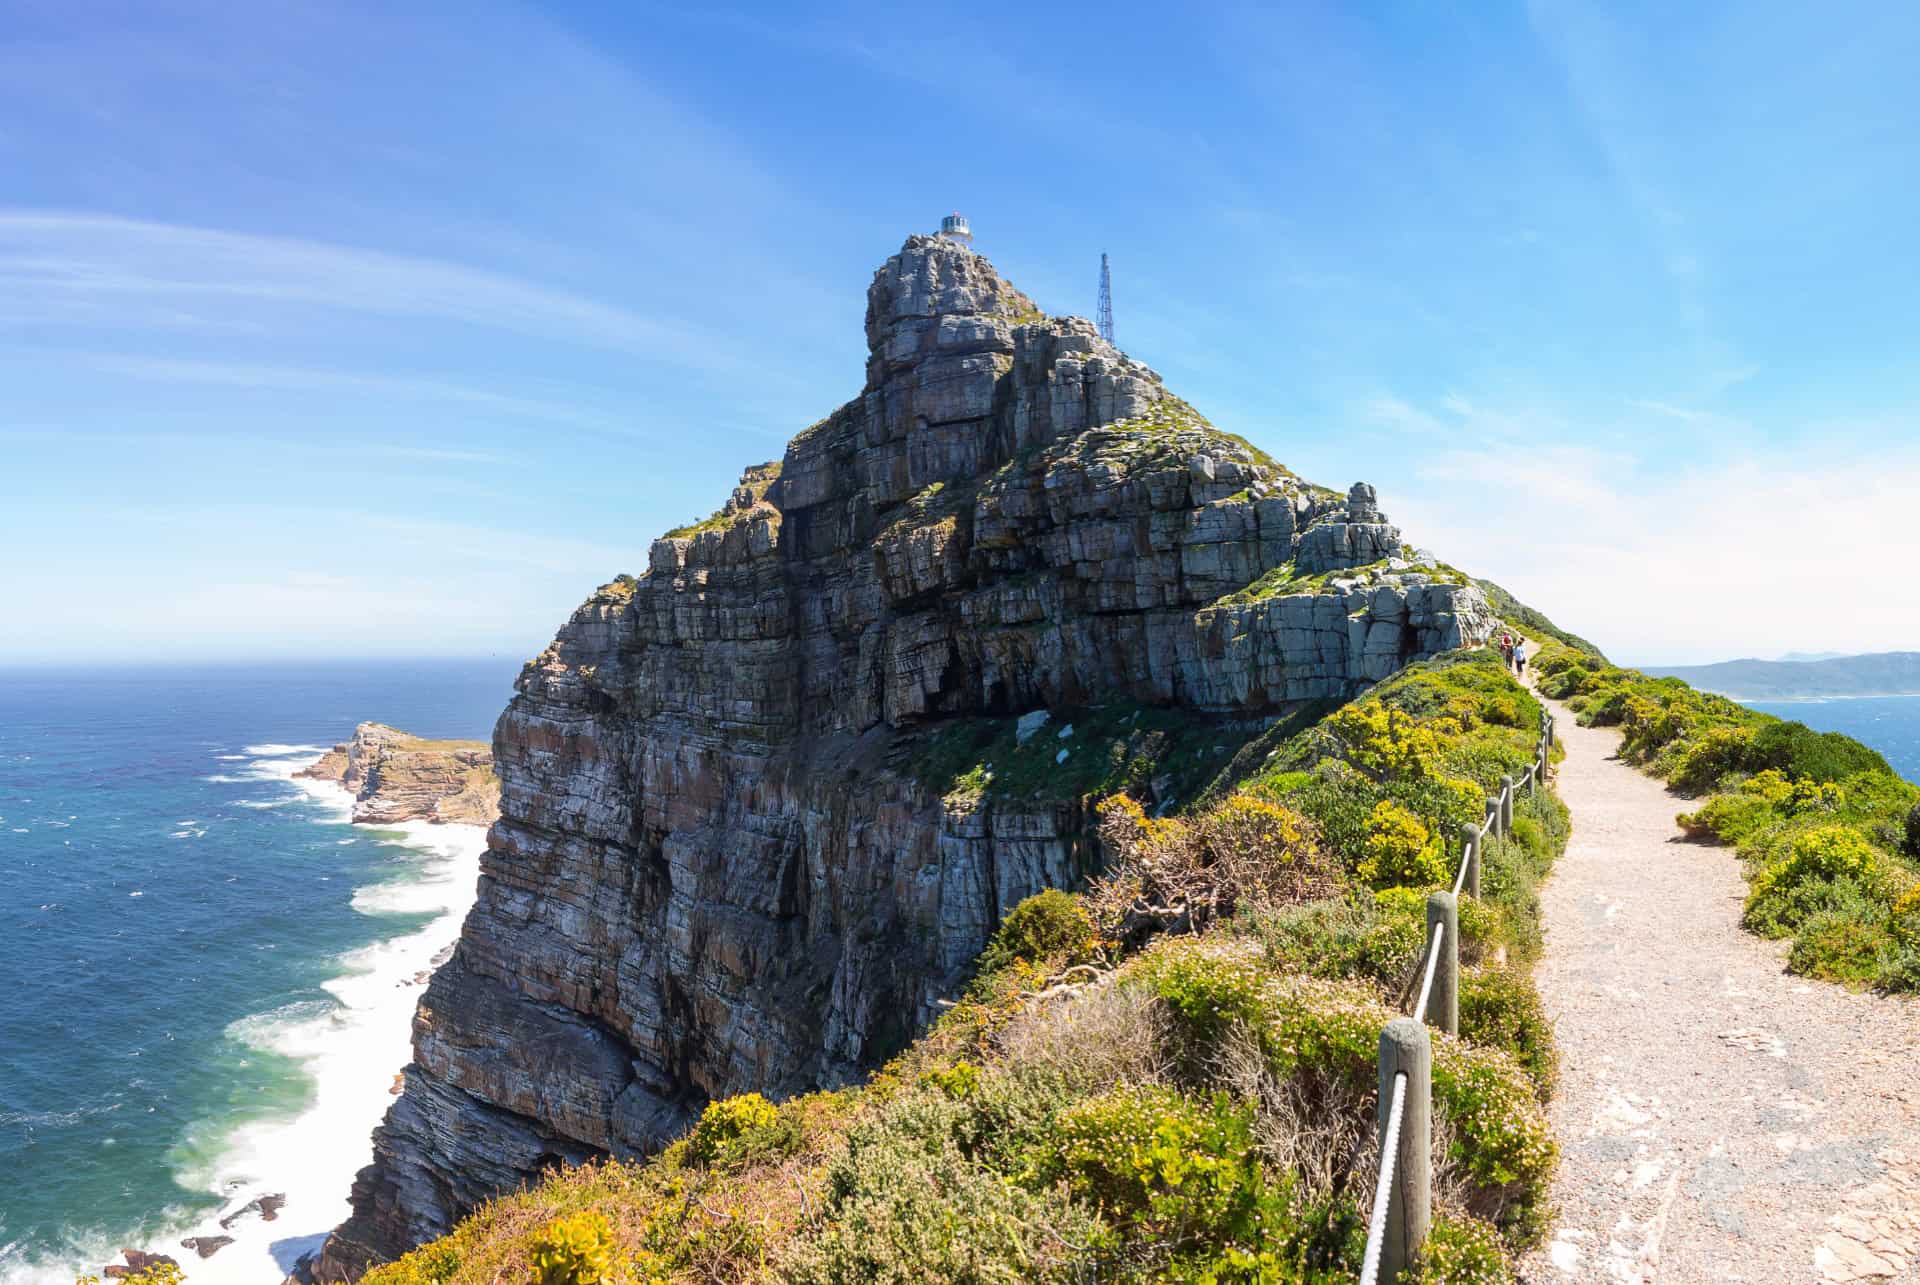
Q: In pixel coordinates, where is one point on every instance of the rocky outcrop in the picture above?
(725, 859)
(397, 777)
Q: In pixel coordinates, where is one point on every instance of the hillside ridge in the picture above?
(1888, 673)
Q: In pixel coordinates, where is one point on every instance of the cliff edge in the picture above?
(394, 776)
(764, 805)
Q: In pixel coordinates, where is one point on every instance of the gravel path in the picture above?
(1718, 1118)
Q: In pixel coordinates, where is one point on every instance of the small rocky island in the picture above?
(395, 776)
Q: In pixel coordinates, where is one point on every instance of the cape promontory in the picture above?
(763, 805)
(394, 776)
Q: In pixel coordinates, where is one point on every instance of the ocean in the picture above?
(1890, 724)
(206, 973)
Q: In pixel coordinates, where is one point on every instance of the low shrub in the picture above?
(1050, 926)
(741, 1129)
(1185, 875)
(1401, 851)
(1842, 944)
(905, 1205)
(1500, 1008)
(1460, 1251)
(1810, 879)
(574, 1250)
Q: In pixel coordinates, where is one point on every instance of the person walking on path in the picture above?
(1520, 658)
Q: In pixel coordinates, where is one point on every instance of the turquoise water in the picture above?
(1890, 724)
(205, 973)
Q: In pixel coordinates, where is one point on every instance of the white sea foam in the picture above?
(263, 803)
(352, 1046)
(274, 750)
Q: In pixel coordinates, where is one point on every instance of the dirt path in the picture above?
(1718, 1118)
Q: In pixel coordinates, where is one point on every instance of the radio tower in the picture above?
(1103, 315)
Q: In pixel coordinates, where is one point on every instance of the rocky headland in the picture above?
(762, 806)
(394, 776)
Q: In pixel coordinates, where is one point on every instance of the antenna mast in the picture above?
(1103, 315)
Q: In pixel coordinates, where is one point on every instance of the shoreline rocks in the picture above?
(394, 776)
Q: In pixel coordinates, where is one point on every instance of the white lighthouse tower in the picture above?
(954, 228)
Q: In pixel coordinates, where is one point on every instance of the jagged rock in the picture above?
(206, 1246)
(138, 1261)
(716, 868)
(394, 776)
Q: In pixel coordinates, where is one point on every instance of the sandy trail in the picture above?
(1718, 1118)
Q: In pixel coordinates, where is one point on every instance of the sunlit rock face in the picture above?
(722, 863)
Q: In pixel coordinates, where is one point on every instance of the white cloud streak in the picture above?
(68, 267)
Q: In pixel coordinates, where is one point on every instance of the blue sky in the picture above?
(354, 329)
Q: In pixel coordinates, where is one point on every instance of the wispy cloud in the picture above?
(69, 267)
(384, 387)
(1668, 409)
(1389, 411)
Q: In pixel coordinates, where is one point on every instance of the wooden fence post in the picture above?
(1405, 1049)
(1506, 806)
(1472, 886)
(1443, 1009)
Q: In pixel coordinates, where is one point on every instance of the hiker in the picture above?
(1506, 649)
(1520, 657)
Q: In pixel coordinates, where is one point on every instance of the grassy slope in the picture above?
(1829, 834)
(1167, 1076)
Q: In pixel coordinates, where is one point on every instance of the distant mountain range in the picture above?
(1886, 673)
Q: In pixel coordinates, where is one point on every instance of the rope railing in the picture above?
(1402, 1197)
(1383, 1190)
(1421, 1006)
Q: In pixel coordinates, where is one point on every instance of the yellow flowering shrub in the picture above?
(1401, 850)
(574, 1250)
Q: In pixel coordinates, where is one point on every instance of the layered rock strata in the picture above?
(719, 865)
(394, 776)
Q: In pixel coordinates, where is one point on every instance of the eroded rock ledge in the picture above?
(394, 776)
(729, 856)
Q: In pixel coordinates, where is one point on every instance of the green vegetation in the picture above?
(755, 481)
(1283, 580)
(1820, 821)
(1531, 622)
(1172, 415)
(1168, 1076)
(1118, 746)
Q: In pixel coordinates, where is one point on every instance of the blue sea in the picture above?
(206, 973)
(1890, 724)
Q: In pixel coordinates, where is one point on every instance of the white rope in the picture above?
(1433, 966)
(1460, 880)
(1383, 1191)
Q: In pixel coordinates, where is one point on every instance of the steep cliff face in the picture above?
(735, 848)
(394, 776)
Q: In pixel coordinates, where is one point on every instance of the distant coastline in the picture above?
(1881, 674)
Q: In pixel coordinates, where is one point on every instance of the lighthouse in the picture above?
(954, 228)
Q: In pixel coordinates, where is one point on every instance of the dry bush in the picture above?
(1098, 1036)
(1181, 876)
(1310, 1124)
